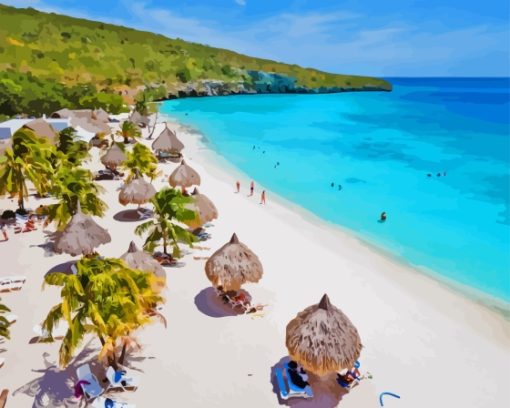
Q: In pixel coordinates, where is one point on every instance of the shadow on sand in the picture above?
(211, 305)
(133, 215)
(66, 267)
(55, 387)
(326, 391)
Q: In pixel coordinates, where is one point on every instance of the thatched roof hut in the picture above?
(81, 235)
(113, 157)
(138, 259)
(42, 129)
(100, 115)
(184, 176)
(233, 265)
(204, 209)
(139, 119)
(137, 191)
(322, 339)
(167, 142)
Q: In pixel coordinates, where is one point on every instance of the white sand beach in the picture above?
(422, 341)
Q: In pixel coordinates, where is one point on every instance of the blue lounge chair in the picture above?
(287, 388)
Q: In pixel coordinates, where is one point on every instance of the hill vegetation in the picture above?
(77, 63)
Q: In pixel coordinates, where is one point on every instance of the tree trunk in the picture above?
(153, 127)
(123, 354)
(21, 204)
(164, 244)
(126, 140)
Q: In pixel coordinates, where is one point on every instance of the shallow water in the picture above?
(379, 148)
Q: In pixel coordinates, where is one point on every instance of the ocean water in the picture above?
(380, 148)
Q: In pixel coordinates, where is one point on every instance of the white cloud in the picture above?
(241, 2)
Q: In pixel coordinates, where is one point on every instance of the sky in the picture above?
(371, 37)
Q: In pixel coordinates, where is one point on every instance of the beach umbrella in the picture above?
(167, 142)
(42, 129)
(137, 259)
(113, 157)
(322, 339)
(184, 176)
(233, 265)
(204, 209)
(81, 235)
(137, 191)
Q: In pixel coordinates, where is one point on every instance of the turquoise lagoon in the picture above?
(381, 148)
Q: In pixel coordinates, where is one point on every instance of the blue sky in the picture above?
(373, 37)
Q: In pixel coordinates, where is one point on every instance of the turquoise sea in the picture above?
(380, 148)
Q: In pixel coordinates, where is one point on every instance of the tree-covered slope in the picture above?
(118, 59)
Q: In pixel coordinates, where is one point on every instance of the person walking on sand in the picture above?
(238, 186)
(252, 188)
(263, 197)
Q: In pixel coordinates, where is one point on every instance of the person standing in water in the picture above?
(383, 216)
(263, 197)
(238, 186)
(252, 188)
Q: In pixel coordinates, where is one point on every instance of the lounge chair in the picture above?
(11, 317)
(124, 381)
(58, 331)
(15, 282)
(103, 402)
(287, 388)
(93, 389)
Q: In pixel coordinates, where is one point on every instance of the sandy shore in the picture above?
(422, 341)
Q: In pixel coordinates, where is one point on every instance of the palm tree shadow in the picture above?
(65, 267)
(327, 392)
(211, 305)
(55, 387)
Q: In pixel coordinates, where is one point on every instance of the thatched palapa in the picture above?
(184, 176)
(113, 157)
(322, 339)
(138, 259)
(204, 209)
(167, 142)
(233, 265)
(81, 235)
(42, 129)
(137, 191)
(139, 119)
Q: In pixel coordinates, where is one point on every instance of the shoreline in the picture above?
(486, 300)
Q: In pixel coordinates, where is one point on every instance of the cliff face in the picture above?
(263, 83)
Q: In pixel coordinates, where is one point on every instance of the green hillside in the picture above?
(50, 48)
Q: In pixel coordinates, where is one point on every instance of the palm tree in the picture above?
(70, 185)
(105, 298)
(128, 130)
(141, 159)
(75, 150)
(145, 106)
(169, 206)
(4, 323)
(29, 159)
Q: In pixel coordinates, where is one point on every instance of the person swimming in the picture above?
(340, 187)
(332, 184)
(383, 216)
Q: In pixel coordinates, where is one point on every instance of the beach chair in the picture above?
(287, 388)
(8, 283)
(58, 332)
(123, 381)
(103, 402)
(93, 389)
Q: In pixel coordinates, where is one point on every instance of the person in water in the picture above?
(383, 216)
(340, 187)
(252, 188)
(238, 186)
(263, 197)
(297, 375)
(332, 184)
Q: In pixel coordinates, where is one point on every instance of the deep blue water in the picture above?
(380, 147)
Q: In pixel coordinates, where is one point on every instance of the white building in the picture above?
(9, 127)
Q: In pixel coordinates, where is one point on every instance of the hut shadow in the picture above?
(211, 305)
(55, 387)
(133, 215)
(65, 267)
(49, 243)
(326, 391)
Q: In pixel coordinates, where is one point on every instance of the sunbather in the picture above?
(297, 374)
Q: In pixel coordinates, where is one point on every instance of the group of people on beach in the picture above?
(252, 191)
